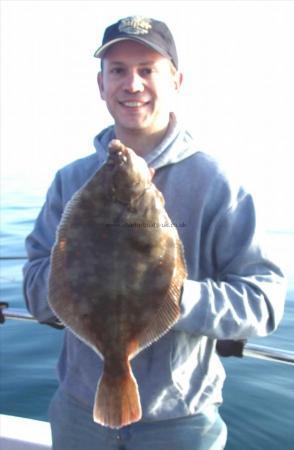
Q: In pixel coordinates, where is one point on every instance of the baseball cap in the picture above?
(153, 33)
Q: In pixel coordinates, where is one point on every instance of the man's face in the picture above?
(138, 86)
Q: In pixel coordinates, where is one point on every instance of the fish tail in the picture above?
(117, 401)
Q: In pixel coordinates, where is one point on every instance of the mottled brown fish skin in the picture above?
(116, 275)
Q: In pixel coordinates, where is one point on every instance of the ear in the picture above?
(100, 84)
(178, 79)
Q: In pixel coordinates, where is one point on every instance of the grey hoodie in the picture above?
(233, 290)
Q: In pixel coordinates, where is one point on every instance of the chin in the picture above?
(129, 123)
(134, 126)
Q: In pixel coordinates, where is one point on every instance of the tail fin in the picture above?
(117, 401)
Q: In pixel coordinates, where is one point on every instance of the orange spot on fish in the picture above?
(62, 245)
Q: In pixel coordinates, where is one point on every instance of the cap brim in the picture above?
(101, 50)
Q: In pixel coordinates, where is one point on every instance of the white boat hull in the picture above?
(17, 433)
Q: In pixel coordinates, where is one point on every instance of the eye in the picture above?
(146, 71)
(117, 70)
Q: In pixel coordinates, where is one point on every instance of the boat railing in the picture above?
(244, 348)
(228, 347)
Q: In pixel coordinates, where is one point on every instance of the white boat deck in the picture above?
(17, 433)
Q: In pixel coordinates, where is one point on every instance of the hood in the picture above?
(177, 145)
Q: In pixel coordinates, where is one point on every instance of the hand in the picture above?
(230, 348)
(2, 306)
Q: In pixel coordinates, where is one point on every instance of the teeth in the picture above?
(133, 104)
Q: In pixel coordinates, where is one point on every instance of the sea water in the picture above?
(258, 395)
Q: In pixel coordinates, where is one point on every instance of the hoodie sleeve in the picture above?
(38, 246)
(243, 293)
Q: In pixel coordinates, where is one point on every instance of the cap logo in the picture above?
(135, 25)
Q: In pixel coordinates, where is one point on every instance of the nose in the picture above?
(133, 83)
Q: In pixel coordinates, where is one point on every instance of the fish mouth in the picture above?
(118, 154)
(117, 159)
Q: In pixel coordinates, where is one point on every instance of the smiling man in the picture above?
(233, 290)
(138, 85)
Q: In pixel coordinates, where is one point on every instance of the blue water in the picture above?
(258, 396)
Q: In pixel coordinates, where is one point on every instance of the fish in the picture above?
(116, 275)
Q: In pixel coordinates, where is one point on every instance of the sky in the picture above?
(237, 98)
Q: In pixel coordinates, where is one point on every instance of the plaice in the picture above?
(116, 275)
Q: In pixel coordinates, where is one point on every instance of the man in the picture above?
(233, 291)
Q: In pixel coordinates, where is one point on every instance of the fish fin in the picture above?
(117, 401)
(169, 311)
(166, 317)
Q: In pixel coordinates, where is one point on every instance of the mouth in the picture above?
(117, 159)
(133, 104)
(117, 154)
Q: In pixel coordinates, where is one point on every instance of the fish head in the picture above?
(130, 174)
